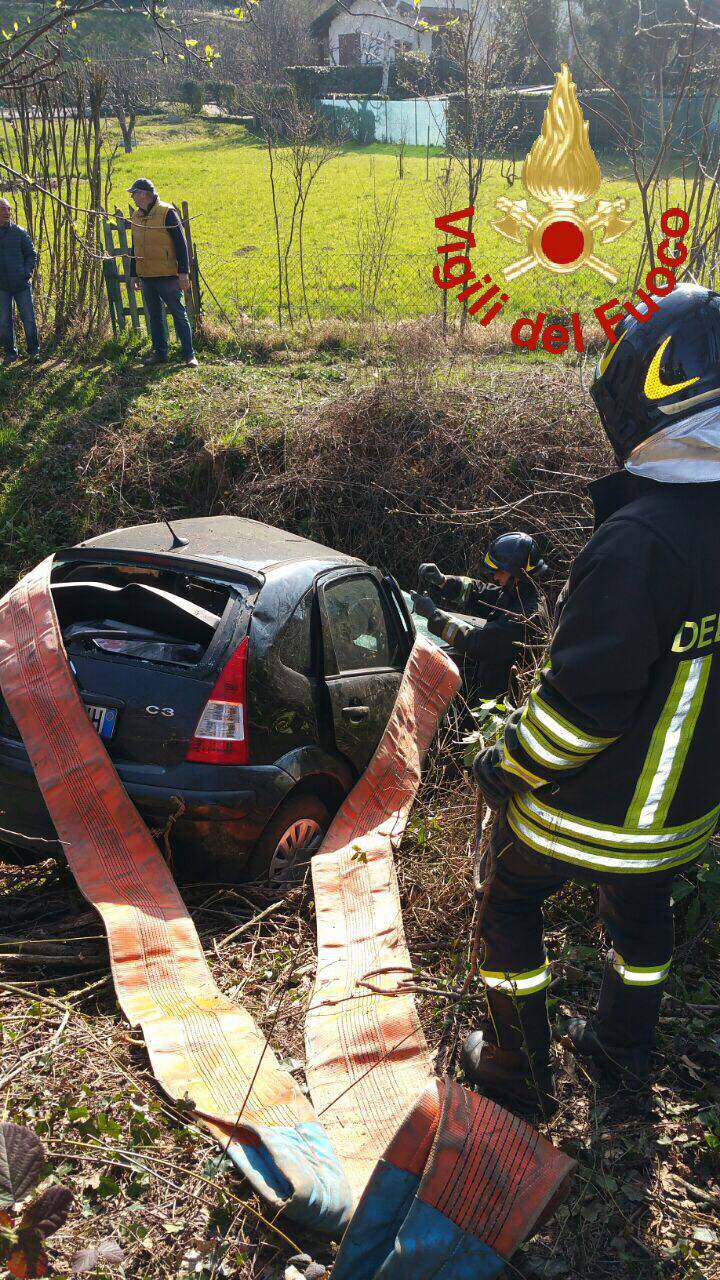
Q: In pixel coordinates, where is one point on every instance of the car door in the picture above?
(364, 656)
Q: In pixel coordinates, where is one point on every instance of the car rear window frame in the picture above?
(234, 619)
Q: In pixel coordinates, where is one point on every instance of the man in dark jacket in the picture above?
(610, 773)
(512, 611)
(159, 267)
(17, 263)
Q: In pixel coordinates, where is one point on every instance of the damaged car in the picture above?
(240, 678)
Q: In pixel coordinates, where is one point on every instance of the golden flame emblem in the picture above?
(561, 171)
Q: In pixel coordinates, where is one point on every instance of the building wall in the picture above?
(368, 20)
(372, 25)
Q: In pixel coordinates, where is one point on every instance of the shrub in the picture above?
(320, 82)
(191, 93)
(224, 93)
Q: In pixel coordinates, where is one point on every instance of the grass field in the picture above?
(222, 171)
(116, 28)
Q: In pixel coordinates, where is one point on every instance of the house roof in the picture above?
(428, 12)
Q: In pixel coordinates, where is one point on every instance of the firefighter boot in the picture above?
(508, 1076)
(629, 1067)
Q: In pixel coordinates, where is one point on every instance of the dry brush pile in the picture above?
(414, 467)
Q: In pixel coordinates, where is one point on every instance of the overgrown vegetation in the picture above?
(376, 449)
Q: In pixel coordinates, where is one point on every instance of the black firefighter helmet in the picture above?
(515, 553)
(660, 369)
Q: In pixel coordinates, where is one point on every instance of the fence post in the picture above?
(125, 253)
(112, 279)
(196, 301)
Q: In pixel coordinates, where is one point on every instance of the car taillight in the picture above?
(221, 732)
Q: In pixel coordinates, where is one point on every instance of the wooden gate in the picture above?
(124, 302)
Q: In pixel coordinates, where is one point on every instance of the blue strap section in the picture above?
(298, 1171)
(394, 1236)
(385, 1203)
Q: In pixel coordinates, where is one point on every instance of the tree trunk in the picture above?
(126, 129)
(385, 67)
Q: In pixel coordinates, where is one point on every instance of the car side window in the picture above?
(359, 629)
(295, 645)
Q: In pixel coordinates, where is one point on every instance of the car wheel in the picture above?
(289, 841)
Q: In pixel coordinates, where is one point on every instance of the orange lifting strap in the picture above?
(367, 1059)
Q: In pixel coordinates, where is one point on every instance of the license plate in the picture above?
(102, 719)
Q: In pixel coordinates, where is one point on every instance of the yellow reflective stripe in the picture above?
(609, 860)
(525, 984)
(566, 732)
(669, 744)
(540, 753)
(624, 836)
(511, 765)
(640, 976)
(465, 589)
(451, 630)
(542, 723)
(607, 356)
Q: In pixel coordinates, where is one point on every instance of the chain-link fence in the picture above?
(255, 284)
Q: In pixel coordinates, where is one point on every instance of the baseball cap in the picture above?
(142, 184)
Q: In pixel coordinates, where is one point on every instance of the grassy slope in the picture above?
(377, 455)
(63, 438)
(223, 174)
(120, 30)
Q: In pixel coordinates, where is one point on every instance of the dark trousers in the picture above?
(637, 914)
(23, 299)
(160, 293)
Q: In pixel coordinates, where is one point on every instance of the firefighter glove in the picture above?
(430, 576)
(494, 790)
(423, 605)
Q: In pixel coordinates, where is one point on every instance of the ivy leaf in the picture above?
(682, 890)
(49, 1212)
(22, 1157)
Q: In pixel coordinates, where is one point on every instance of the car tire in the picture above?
(289, 841)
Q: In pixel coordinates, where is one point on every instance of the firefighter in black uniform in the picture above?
(610, 772)
(512, 611)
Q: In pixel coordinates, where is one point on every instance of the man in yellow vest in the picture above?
(159, 267)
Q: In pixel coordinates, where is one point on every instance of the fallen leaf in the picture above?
(22, 1157)
(107, 1251)
(27, 1268)
(48, 1213)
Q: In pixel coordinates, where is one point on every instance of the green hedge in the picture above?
(321, 82)
(417, 75)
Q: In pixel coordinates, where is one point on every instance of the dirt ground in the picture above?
(645, 1198)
